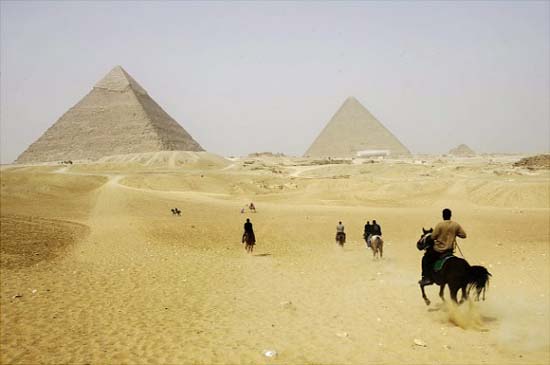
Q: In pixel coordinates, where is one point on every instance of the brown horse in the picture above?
(377, 246)
(250, 240)
(341, 238)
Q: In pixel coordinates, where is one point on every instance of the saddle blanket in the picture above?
(438, 265)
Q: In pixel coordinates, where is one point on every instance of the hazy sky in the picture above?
(256, 76)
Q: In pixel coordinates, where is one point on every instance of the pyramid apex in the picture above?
(119, 80)
(351, 101)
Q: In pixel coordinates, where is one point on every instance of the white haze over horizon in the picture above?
(245, 77)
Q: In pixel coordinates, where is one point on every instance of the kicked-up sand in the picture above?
(96, 270)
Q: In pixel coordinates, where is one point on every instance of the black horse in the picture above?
(456, 273)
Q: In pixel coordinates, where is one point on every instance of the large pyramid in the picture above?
(353, 129)
(116, 117)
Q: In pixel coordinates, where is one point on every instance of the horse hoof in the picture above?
(427, 301)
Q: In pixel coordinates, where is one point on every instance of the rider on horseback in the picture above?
(340, 232)
(367, 233)
(376, 229)
(444, 236)
(248, 230)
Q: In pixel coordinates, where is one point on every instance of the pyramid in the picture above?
(462, 151)
(116, 117)
(351, 130)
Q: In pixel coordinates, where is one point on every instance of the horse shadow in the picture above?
(262, 254)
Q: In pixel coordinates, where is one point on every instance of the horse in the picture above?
(341, 238)
(176, 211)
(250, 239)
(456, 272)
(377, 245)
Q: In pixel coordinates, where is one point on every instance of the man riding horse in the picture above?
(367, 232)
(373, 229)
(248, 236)
(340, 234)
(444, 236)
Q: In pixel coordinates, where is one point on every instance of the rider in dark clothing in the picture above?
(248, 230)
(376, 229)
(368, 229)
(367, 232)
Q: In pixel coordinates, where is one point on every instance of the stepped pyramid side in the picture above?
(116, 117)
(352, 129)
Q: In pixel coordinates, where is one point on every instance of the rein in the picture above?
(459, 250)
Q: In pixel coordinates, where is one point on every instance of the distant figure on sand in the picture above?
(252, 207)
(340, 234)
(367, 233)
(175, 211)
(248, 236)
(444, 238)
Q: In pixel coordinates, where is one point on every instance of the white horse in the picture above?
(376, 245)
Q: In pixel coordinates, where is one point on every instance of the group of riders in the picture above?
(373, 229)
(444, 238)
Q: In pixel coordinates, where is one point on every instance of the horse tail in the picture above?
(478, 279)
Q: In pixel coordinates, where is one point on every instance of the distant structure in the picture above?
(462, 151)
(352, 130)
(372, 153)
(116, 117)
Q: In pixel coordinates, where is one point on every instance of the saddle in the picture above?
(438, 265)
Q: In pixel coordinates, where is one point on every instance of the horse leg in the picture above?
(426, 300)
(441, 289)
(381, 250)
(454, 292)
(464, 294)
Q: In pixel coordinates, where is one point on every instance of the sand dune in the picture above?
(118, 279)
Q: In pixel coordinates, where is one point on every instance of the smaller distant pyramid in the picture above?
(354, 130)
(462, 151)
(116, 117)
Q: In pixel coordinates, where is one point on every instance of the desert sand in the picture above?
(95, 268)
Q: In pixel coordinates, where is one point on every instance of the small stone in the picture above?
(34, 291)
(270, 353)
(419, 342)
(17, 296)
(288, 305)
(342, 334)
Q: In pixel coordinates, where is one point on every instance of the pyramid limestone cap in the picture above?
(119, 80)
